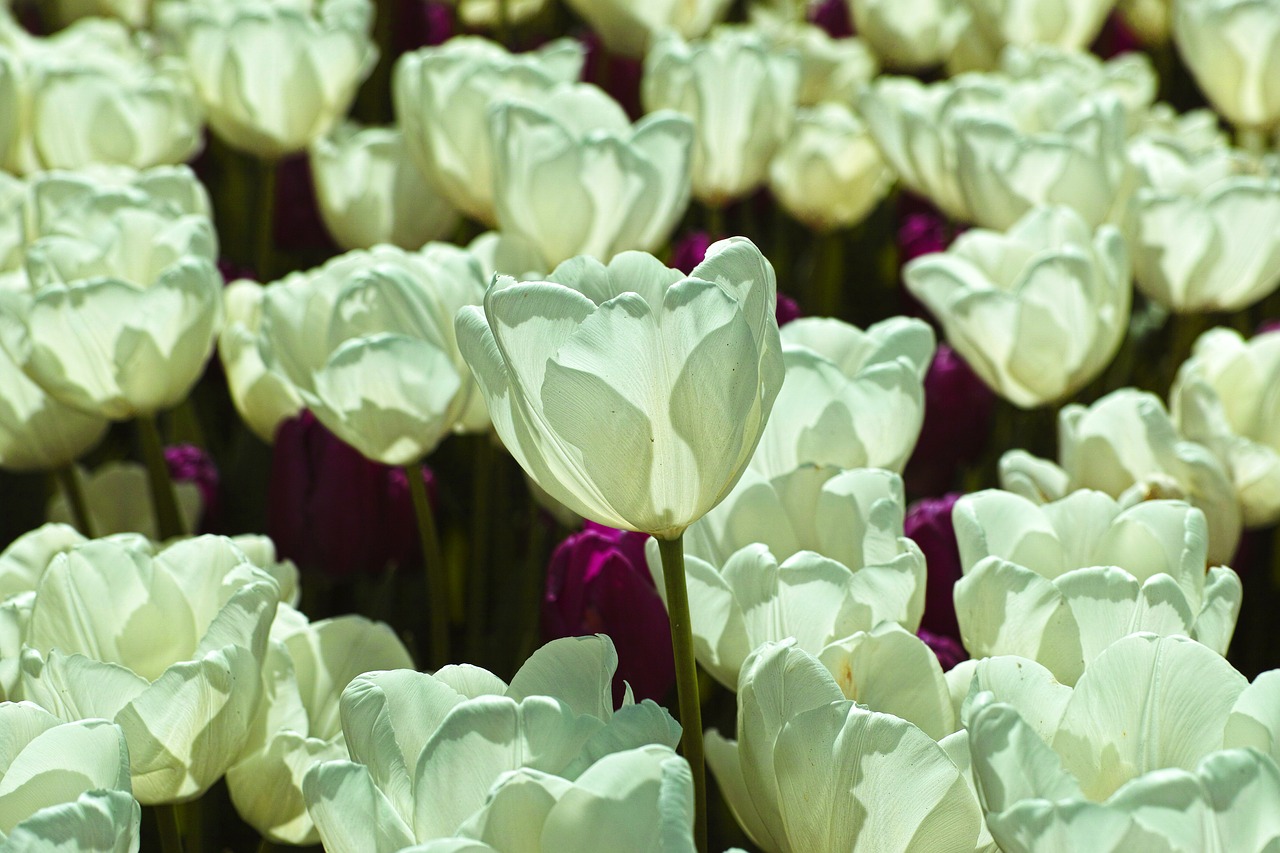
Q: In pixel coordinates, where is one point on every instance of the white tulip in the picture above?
(370, 192)
(1204, 226)
(910, 36)
(169, 647)
(741, 96)
(629, 28)
(851, 398)
(1149, 20)
(1223, 398)
(1130, 77)
(1069, 24)
(367, 342)
(263, 398)
(443, 95)
(38, 433)
(553, 357)
(1059, 583)
(573, 176)
(118, 500)
(1232, 48)
(815, 555)
(805, 753)
(831, 69)
(298, 726)
(64, 786)
(436, 756)
(273, 77)
(1126, 445)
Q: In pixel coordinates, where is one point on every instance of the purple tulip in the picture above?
(191, 464)
(1268, 326)
(787, 309)
(958, 408)
(599, 582)
(421, 24)
(832, 16)
(928, 523)
(618, 75)
(688, 252)
(1115, 38)
(332, 510)
(947, 649)
(298, 226)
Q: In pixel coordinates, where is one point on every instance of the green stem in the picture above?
(167, 824)
(164, 501)
(436, 571)
(672, 551)
(504, 24)
(478, 571)
(264, 234)
(715, 222)
(73, 490)
(830, 274)
(265, 846)
(1252, 139)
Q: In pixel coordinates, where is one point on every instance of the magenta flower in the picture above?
(332, 510)
(618, 75)
(928, 523)
(958, 408)
(191, 464)
(832, 16)
(599, 582)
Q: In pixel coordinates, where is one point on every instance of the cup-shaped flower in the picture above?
(1232, 48)
(1147, 750)
(1070, 24)
(1037, 312)
(1224, 398)
(1204, 227)
(64, 202)
(851, 399)
(367, 342)
(740, 94)
(428, 751)
(37, 432)
(1127, 446)
(910, 37)
(264, 398)
(805, 753)
(682, 370)
(443, 95)
(630, 28)
(815, 555)
(118, 500)
(135, 13)
(64, 786)
(371, 192)
(573, 176)
(298, 725)
(1059, 583)
(122, 311)
(168, 647)
(831, 69)
(272, 77)
(598, 581)
(829, 173)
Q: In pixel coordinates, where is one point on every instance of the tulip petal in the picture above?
(576, 670)
(513, 817)
(1012, 763)
(723, 759)
(96, 822)
(351, 812)
(1255, 719)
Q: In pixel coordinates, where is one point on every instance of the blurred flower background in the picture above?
(420, 421)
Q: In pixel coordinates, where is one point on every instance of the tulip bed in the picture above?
(459, 427)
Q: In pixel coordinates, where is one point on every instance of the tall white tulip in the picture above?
(1070, 24)
(117, 499)
(831, 69)
(1038, 311)
(64, 786)
(1224, 397)
(573, 176)
(443, 95)
(910, 36)
(553, 357)
(630, 28)
(741, 96)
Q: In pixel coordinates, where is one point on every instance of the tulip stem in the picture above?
(167, 824)
(478, 577)
(163, 500)
(264, 234)
(830, 273)
(672, 551)
(1252, 140)
(73, 490)
(433, 565)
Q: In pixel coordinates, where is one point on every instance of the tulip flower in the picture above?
(431, 753)
(1222, 398)
(370, 192)
(135, 13)
(832, 68)
(263, 398)
(1204, 226)
(629, 28)
(1149, 21)
(828, 173)
(1059, 583)
(598, 582)
(1157, 745)
(1230, 47)
(367, 342)
(805, 753)
(928, 524)
(118, 500)
(741, 97)
(1130, 77)
(169, 647)
(443, 95)
(551, 356)
(298, 724)
(1069, 24)
(64, 785)
(910, 37)
(272, 77)
(38, 433)
(64, 202)
(618, 186)
(1060, 293)
(1126, 445)
(816, 555)
(851, 398)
